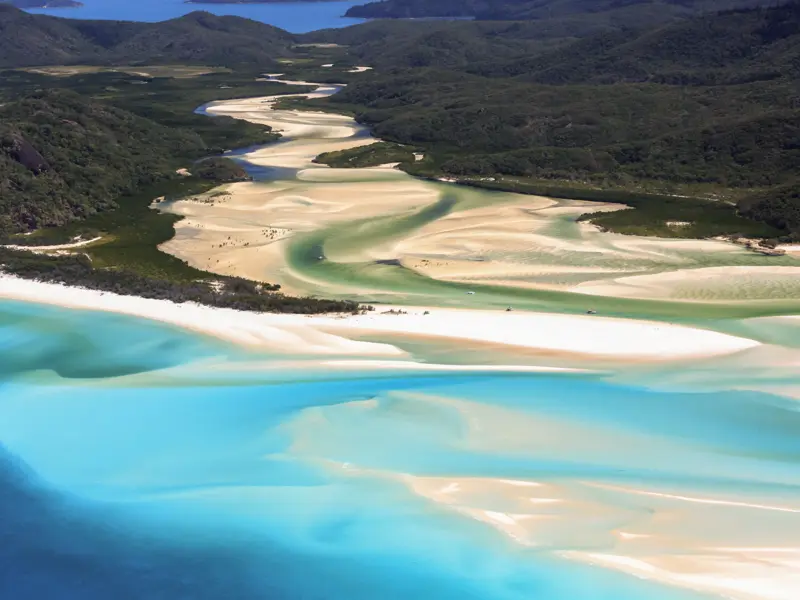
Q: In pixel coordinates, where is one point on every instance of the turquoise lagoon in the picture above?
(144, 461)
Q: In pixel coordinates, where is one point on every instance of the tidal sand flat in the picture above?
(377, 234)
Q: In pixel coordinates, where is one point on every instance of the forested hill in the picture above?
(714, 48)
(196, 38)
(63, 157)
(709, 103)
(630, 12)
(724, 48)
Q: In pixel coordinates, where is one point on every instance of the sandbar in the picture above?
(588, 336)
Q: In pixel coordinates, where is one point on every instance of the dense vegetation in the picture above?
(448, 44)
(79, 143)
(196, 38)
(780, 207)
(63, 158)
(742, 136)
(219, 169)
(223, 292)
(630, 12)
(94, 169)
(145, 125)
(707, 106)
(573, 101)
(83, 153)
(372, 155)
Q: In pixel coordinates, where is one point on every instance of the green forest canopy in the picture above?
(710, 102)
(704, 104)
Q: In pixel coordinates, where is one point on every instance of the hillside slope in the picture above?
(63, 158)
(197, 38)
(629, 12)
(708, 104)
(730, 47)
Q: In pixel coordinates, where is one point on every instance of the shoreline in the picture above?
(578, 336)
(525, 243)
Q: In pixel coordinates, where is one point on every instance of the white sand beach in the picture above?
(587, 336)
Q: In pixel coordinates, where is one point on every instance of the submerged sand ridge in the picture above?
(379, 234)
(689, 533)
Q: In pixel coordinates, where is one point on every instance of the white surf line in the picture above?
(338, 335)
(40, 249)
(696, 499)
(416, 366)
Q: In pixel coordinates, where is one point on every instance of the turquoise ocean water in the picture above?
(141, 461)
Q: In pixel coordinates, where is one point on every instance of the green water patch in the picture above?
(312, 258)
(386, 282)
(652, 214)
(778, 332)
(370, 232)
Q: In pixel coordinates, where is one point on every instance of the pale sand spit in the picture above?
(587, 336)
(579, 334)
(703, 284)
(56, 247)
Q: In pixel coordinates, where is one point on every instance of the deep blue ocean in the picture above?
(297, 17)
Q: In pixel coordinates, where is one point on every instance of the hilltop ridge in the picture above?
(629, 13)
(196, 38)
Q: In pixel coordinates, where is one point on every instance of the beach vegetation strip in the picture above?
(373, 155)
(609, 112)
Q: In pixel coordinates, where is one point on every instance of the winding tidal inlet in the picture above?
(456, 450)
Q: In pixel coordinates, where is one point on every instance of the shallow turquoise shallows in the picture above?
(138, 463)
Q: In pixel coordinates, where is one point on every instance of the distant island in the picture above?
(44, 3)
